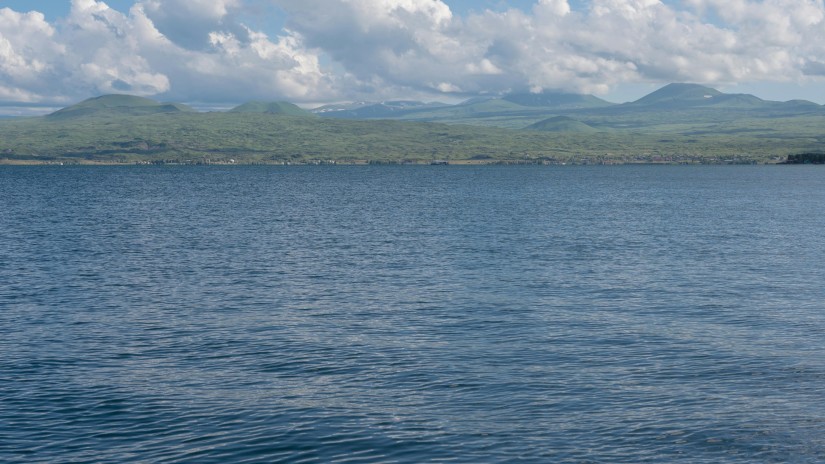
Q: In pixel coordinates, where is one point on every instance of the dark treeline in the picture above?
(806, 158)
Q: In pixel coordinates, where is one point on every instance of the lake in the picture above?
(364, 314)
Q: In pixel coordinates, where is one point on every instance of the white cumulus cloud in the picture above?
(27, 53)
(96, 50)
(199, 50)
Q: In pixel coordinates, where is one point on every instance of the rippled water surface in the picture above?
(412, 314)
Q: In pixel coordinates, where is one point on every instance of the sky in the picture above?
(223, 52)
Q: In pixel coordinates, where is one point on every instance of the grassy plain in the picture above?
(267, 138)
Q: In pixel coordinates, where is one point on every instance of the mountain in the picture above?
(694, 95)
(556, 100)
(678, 93)
(285, 108)
(561, 124)
(107, 105)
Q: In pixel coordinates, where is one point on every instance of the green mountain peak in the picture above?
(680, 93)
(118, 104)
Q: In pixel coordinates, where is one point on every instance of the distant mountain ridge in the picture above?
(556, 100)
(416, 110)
(373, 110)
(677, 103)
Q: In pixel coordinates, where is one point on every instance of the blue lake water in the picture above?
(653, 314)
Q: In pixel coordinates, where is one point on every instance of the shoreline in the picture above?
(363, 162)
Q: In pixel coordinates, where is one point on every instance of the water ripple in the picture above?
(393, 314)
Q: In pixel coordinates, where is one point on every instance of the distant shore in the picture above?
(363, 162)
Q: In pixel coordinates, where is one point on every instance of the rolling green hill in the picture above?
(118, 105)
(271, 108)
(561, 124)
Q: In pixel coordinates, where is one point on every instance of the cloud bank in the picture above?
(204, 50)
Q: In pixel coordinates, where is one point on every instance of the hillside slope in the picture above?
(561, 124)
